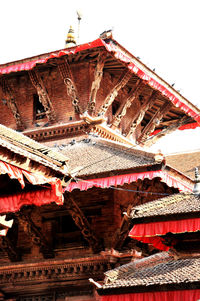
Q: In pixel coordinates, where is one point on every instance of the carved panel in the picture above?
(43, 95)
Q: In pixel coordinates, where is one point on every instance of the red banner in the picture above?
(184, 295)
(151, 232)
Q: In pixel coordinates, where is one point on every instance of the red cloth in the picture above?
(184, 295)
(133, 66)
(13, 203)
(128, 178)
(150, 232)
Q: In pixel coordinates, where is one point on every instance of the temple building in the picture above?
(90, 111)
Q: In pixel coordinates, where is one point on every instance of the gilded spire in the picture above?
(70, 41)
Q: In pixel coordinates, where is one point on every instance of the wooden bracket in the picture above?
(11, 103)
(155, 120)
(43, 95)
(83, 224)
(114, 92)
(68, 79)
(138, 117)
(123, 108)
(8, 247)
(35, 233)
(96, 82)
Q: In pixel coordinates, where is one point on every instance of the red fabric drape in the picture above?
(132, 64)
(184, 295)
(128, 178)
(150, 232)
(13, 203)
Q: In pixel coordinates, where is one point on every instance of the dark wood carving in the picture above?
(68, 79)
(43, 95)
(123, 109)
(82, 223)
(96, 82)
(35, 233)
(11, 102)
(10, 249)
(114, 92)
(155, 120)
(138, 117)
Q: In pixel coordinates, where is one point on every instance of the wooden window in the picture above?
(38, 109)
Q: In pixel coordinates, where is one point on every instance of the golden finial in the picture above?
(70, 41)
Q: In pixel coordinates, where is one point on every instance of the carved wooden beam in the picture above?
(128, 102)
(122, 233)
(138, 117)
(11, 103)
(114, 92)
(82, 223)
(35, 233)
(155, 120)
(10, 249)
(43, 95)
(168, 130)
(96, 82)
(68, 79)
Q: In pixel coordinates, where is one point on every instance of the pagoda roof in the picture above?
(158, 270)
(176, 204)
(168, 111)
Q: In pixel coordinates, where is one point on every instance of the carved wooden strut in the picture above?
(82, 223)
(43, 95)
(68, 79)
(9, 248)
(123, 109)
(114, 92)
(96, 82)
(11, 103)
(155, 120)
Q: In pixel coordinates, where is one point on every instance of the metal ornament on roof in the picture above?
(196, 189)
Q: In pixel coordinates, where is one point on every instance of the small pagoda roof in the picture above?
(180, 203)
(157, 271)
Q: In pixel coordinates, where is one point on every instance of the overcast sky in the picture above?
(163, 33)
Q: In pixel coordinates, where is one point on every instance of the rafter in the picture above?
(138, 117)
(125, 105)
(114, 92)
(96, 82)
(43, 95)
(155, 120)
(35, 233)
(68, 79)
(10, 249)
(11, 102)
(168, 130)
(82, 223)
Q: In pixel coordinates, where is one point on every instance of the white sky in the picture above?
(163, 33)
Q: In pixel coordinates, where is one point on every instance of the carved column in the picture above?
(155, 120)
(114, 92)
(123, 109)
(137, 119)
(43, 95)
(96, 82)
(82, 223)
(68, 79)
(11, 103)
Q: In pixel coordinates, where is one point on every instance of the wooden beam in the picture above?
(155, 120)
(10, 249)
(125, 105)
(114, 92)
(43, 95)
(82, 223)
(168, 130)
(138, 117)
(11, 102)
(37, 237)
(96, 82)
(68, 79)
